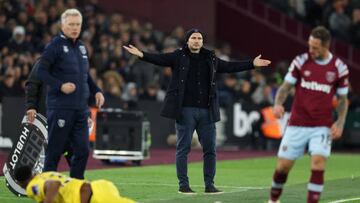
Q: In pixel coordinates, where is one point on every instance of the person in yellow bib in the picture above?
(54, 187)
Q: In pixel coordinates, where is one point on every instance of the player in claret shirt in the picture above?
(317, 76)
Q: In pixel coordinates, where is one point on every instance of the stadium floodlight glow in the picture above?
(28, 150)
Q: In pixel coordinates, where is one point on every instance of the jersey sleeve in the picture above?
(35, 189)
(293, 74)
(343, 78)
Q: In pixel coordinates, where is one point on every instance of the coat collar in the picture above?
(203, 51)
(63, 36)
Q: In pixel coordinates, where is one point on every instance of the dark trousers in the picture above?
(66, 126)
(195, 119)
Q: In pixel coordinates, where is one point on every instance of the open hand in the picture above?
(133, 50)
(336, 131)
(99, 98)
(258, 62)
(278, 111)
(31, 113)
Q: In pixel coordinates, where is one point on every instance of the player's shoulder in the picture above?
(300, 60)
(341, 66)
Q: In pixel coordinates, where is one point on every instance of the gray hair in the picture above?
(70, 12)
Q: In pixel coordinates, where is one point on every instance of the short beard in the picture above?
(194, 50)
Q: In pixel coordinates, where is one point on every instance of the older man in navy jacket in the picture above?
(192, 100)
(64, 67)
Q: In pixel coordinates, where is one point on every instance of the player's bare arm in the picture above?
(51, 190)
(342, 109)
(280, 98)
(85, 193)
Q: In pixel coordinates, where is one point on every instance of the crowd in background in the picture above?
(342, 17)
(26, 28)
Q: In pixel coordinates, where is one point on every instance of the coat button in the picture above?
(182, 80)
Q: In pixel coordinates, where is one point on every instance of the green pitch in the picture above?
(244, 181)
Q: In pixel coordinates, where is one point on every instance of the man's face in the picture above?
(316, 49)
(72, 26)
(195, 42)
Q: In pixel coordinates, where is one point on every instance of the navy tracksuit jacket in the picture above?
(66, 61)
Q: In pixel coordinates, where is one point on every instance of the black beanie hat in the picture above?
(190, 32)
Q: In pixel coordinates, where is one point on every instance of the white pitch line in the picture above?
(17, 198)
(195, 195)
(175, 185)
(345, 200)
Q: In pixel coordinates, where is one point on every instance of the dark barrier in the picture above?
(122, 134)
(13, 109)
(242, 124)
(161, 127)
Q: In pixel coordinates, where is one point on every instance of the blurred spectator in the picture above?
(315, 11)
(354, 100)
(175, 39)
(130, 96)
(152, 93)
(113, 84)
(245, 91)
(224, 52)
(259, 82)
(297, 8)
(339, 22)
(143, 73)
(9, 87)
(18, 44)
(355, 27)
(5, 33)
(228, 91)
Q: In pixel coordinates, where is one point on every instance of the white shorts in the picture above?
(296, 139)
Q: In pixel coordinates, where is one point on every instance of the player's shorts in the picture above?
(106, 191)
(296, 139)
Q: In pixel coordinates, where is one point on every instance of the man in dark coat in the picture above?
(35, 94)
(64, 68)
(192, 100)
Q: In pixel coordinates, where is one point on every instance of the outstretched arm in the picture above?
(51, 190)
(280, 98)
(237, 66)
(134, 51)
(342, 109)
(166, 59)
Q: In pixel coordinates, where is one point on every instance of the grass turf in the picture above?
(241, 180)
